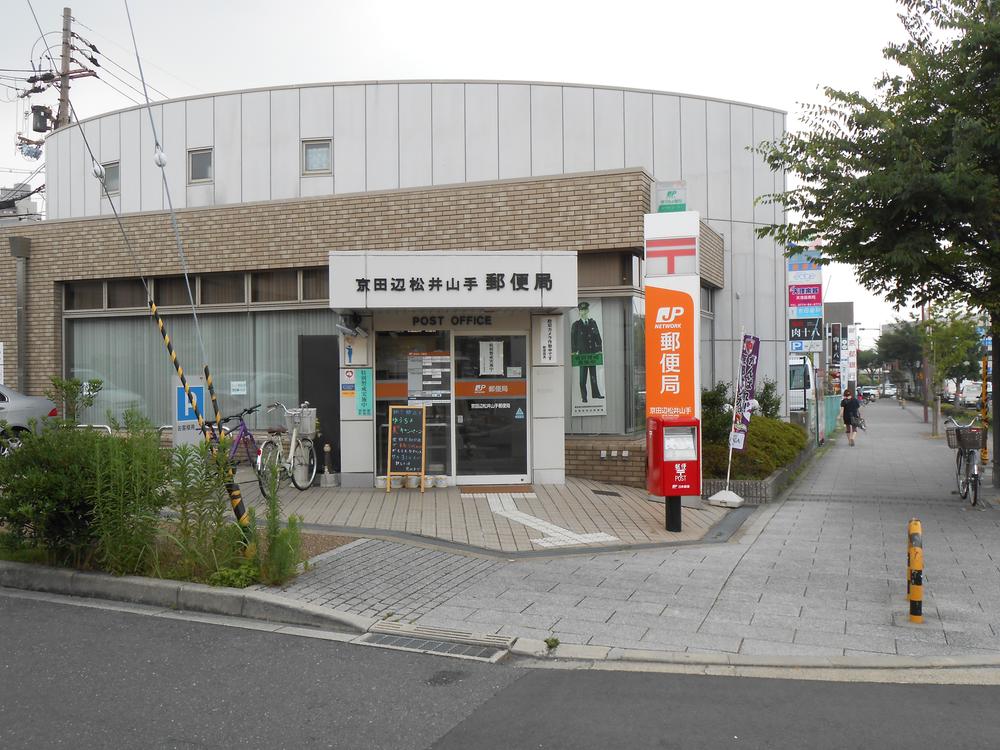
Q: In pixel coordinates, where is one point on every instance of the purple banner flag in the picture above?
(749, 354)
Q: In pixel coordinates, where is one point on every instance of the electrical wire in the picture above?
(13, 191)
(115, 88)
(166, 192)
(105, 71)
(121, 67)
(149, 62)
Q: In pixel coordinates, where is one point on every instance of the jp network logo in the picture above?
(668, 314)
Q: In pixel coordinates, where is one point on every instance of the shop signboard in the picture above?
(806, 311)
(672, 370)
(798, 347)
(671, 197)
(361, 280)
(813, 276)
(587, 359)
(805, 294)
(364, 392)
(805, 329)
(407, 430)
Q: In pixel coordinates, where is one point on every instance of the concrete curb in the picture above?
(536, 649)
(258, 605)
(194, 597)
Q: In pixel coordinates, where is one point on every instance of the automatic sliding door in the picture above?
(491, 408)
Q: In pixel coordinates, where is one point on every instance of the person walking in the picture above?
(850, 412)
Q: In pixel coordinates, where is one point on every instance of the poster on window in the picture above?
(586, 336)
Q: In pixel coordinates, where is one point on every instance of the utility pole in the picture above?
(62, 116)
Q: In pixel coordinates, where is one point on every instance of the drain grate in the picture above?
(429, 646)
(609, 493)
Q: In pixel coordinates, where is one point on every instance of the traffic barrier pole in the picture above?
(231, 485)
(915, 570)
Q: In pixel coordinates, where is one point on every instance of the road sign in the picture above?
(797, 347)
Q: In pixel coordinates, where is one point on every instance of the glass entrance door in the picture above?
(491, 409)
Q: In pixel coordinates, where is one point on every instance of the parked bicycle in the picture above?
(298, 464)
(242, 438)
(968, 440)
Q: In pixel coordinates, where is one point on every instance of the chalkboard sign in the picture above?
(406, 443)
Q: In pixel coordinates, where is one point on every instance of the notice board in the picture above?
(407, 446)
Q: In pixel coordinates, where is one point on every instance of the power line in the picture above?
(114, 88)
(121, 67)
(145, 60)
(105, 71)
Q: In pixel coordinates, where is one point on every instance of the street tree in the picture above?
(901, 349)
(904, 184)
(950, 337)
(870, 363)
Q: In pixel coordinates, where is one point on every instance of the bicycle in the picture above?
(968, 440)
(299, 466)
(242, 437)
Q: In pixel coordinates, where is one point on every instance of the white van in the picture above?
(801, 380)
(972, 392)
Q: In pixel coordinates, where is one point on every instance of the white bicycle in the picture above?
(298, 465)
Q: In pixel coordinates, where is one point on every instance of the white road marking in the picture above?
(502, 504)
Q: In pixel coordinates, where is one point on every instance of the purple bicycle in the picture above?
(243, 442)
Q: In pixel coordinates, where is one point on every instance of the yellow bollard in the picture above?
(915, 570)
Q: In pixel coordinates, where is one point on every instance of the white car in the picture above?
(971, 394)
(20, 413)
(889, 390)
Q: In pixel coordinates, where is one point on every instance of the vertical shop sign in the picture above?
(749, 356)
(672, 388)
(364, 393)
(587, 359)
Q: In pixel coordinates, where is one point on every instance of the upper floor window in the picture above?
(112, 177)
(317, 156)
(200, 165)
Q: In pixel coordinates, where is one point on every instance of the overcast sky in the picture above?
(770, 52)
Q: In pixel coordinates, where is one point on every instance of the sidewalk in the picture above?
(819, 574)
(581, 513)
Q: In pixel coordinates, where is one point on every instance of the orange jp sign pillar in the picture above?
(673, 337)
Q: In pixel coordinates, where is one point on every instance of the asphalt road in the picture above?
(89, 678)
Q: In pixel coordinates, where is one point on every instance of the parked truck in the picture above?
(801, 382)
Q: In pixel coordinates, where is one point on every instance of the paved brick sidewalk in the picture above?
(819, 574)
(581, 513)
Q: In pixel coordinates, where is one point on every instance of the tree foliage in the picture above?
(900, 346)
(905, 184)
(949, 335)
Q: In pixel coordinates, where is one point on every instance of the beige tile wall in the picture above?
(597, 212)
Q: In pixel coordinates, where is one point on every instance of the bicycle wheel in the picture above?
(271, 461)
(960, 475)
(303, 463)
(973, 480)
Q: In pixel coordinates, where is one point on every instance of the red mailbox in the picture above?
(673, 463)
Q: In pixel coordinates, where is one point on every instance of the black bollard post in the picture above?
(673, 511)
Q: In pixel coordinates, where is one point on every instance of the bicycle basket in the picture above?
(305, 419)
(971, 438)
(952, 437)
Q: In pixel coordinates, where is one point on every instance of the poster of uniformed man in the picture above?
(587, 359)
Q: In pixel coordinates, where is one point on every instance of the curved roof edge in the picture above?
(284, 87)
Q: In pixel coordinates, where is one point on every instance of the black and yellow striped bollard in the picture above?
(915, 570)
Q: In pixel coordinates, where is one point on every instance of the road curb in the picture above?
(179, 595)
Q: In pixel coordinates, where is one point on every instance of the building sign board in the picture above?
(671, 242)
(806, 311)
(364, 392)
(448, 280)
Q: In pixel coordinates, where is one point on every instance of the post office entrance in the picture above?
(475, 386)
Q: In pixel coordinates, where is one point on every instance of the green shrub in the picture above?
(127, 492)
(246, 574)
(205, 541)
(716, 414)
(283, 545)
(770, 445)
(768, 399)
(46, 492)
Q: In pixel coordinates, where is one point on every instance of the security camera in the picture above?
(347, 331)
(361, 332)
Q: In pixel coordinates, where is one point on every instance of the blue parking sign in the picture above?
(184, 411)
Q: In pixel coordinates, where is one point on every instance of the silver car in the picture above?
(20, 413)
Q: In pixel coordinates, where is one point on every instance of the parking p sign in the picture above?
(186, 431)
